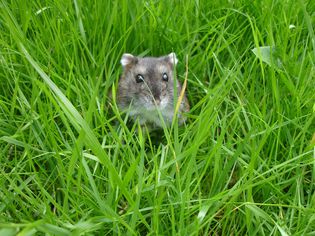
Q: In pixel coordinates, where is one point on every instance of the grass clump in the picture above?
(242, 164)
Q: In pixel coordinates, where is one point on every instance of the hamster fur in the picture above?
(146, 88)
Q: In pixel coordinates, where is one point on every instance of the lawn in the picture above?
(242, 164)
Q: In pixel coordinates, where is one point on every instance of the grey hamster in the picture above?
(146, 88)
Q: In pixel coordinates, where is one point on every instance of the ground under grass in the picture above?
(243, 164)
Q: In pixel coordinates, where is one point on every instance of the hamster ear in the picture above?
(127, 59)
(172, 58)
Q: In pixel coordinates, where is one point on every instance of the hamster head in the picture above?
(147, 88)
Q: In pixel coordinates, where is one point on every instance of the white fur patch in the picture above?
(173, 58)
(164, 102)
(126, 59)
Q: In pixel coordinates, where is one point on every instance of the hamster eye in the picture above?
(165, 77)
(139, 78)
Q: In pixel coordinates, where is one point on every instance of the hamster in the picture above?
(146, 88)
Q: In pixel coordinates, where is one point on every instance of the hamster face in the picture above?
(147, 88)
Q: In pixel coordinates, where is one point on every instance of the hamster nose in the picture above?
(156, 96)
(157, 100)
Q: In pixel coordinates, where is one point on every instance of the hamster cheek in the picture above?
(164, 102)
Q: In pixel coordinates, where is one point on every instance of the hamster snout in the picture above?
(147, 88)
(156, 94)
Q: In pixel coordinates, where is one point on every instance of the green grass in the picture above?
(244, 163)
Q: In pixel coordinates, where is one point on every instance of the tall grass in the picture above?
(243, 164)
